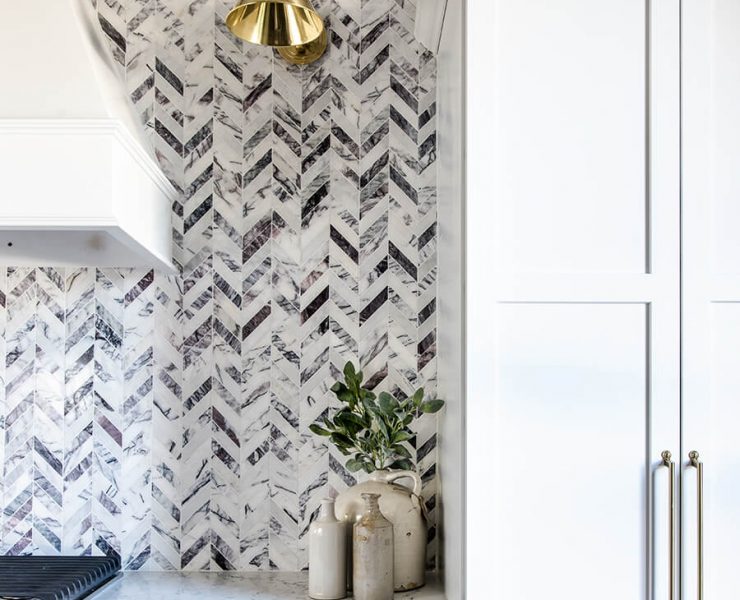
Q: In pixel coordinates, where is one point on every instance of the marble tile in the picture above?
(164, 418)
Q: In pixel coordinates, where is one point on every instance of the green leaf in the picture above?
(402, 450)
(401, 436)
(371, 408)
(404, 464)
(338, 387)
(349, 373)
(387, 402)
(346, 396)
(352, 422)
(400, 414)
(340, 440)
(342, 411)
(432, 406)
(318, 430)
(383, 429)
(418, 397)
(408, 419)
(368, 467)
(354, 465)
(342, 392)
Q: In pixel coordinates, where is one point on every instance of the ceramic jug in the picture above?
(372, 553)
(327, 555)
(403, 508)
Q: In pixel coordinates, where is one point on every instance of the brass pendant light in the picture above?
(293, 26)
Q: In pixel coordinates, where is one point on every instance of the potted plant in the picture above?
(374, 431)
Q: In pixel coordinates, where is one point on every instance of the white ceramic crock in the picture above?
(402, 507)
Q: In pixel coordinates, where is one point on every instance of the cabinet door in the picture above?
(711, 292)
(572, 295)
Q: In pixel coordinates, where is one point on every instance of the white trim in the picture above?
(160, 261)
(451, 299)
(32, 223)
(86, 127)
(97, 177)
(110, 226)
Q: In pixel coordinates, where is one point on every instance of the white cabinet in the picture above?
(711, 291)
(603, 297)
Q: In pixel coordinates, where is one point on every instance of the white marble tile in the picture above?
(227, 586)
(165, 419)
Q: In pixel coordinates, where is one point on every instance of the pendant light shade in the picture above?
(293, 26)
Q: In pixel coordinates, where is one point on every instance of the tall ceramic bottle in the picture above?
(327, 555)
(404, 508)
(372, 553)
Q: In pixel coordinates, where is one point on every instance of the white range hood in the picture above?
(430, 18)
(80, 187)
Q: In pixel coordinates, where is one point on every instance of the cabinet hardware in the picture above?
(699, 466)
(666, 456)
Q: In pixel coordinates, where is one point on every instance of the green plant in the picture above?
(373, 430)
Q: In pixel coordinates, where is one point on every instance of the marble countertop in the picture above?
(228, 586)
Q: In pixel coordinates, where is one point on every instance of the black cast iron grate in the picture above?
(54, 577)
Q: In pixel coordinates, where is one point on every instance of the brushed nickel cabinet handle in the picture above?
(666, 456)
(699, 466)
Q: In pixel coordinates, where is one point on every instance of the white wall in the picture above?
(450, 65)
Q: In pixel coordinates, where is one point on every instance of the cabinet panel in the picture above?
(724, 135)
(569, 439)
(720, 452)
(568, 135)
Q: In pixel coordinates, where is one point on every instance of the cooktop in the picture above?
(54, 577)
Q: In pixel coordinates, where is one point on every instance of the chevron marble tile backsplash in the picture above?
(165, 419)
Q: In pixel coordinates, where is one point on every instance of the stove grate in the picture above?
(54, 577)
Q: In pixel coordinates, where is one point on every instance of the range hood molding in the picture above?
(83, 188)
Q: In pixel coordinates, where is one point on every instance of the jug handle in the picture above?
(392, 476)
